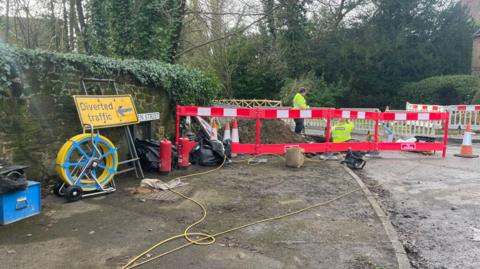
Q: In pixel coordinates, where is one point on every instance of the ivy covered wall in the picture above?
(37, 113)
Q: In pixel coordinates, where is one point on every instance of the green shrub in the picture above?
(319, 92)
(442, 90)
(476, 98)
(183, 85)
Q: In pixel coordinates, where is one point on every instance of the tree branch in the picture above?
(227, 35)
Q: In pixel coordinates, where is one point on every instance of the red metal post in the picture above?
(177, 127)
(445, 135)
(375, 138)
(257, 133)
(327, 129)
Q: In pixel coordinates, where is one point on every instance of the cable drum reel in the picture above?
(86, 163)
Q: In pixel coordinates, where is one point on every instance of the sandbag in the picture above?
(294, 157)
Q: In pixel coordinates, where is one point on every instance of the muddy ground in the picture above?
(434, 205)
(106, 231)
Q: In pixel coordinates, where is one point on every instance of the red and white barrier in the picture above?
(424, 108)
(460, 115)
(327, 115)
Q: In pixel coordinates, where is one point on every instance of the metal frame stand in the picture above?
(137, 167)
(134, 160)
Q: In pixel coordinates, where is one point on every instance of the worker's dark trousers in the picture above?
(299, 125)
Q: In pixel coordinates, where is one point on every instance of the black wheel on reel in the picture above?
(73, 193)
(56, 189)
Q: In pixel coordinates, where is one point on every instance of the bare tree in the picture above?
(83, 26)
(65, 26)
(177, 29)
(54, 26)
(72, 25)
(7, 21)
(337, 10)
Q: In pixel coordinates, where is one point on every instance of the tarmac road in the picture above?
(434, 204)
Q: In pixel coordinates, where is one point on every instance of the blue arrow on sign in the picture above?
(122, 110)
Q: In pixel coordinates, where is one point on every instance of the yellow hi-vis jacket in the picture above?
(299, 102)
(342, 132)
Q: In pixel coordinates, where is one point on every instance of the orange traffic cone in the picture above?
(235, 136)
(466, 150)
(226, 133)
(214, 130)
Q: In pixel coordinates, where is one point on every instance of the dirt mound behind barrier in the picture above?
(271, 132)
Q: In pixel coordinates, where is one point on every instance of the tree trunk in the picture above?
(71, 24)
(177, 30)
(28, 37)
(7, 21)
(65, 26)
(83, 26)
(268, 9)
(54, 29)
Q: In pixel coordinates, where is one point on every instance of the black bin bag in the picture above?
(149, 153)
(208, 153)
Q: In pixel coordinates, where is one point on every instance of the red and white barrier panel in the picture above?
(464, 108)
(427, 108)
(218, 112)
(412, 116)
(328, 114)
(434, 108)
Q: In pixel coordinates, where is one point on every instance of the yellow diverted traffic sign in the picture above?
(104, 111)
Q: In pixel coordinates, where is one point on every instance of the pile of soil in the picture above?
(271, 132)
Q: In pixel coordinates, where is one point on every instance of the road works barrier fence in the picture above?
(459, 115)
(424, 108)
(362, 126)
(326, 114)
(401, 129)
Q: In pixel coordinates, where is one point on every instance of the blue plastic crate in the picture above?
(18, 205)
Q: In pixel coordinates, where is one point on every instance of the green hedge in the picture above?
(443, 90)
(184, 85)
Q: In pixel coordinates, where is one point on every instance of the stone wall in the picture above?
(35, 125)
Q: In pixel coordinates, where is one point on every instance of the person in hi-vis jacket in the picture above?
(300, 103)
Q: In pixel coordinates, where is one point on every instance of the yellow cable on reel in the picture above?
(207, 239)
(93, 154)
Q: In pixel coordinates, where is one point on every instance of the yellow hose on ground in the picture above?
(210, 239)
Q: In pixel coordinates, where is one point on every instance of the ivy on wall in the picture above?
(183, 85)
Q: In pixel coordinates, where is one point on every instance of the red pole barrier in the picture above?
(177, 126)
(257, 133)
(327, 130)
(445, 135)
